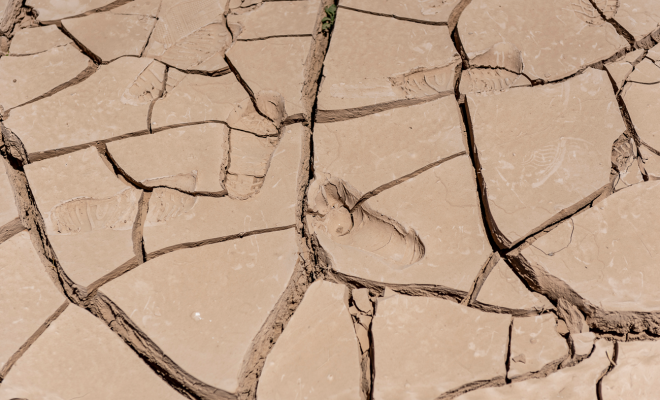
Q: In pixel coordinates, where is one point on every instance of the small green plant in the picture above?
(329, 19)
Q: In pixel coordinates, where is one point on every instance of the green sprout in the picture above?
(329, 20)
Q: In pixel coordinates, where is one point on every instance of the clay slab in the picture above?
(442, 207)
(49, 10)
(432, 11)
(487, 80)
(619, 72)
(28, 77)
(638, 17)
(427, 346)
(555, 39)
(285, 58)
(197, 151)
(139, 7)
(635, 374)
(642, 101)
(88, 211)
(645, 72)
(612, 259)
(653, 53)
(204, 306)
(8, 210)
(278, 19)
(191, 35)
(504, 289)
(197, 98)
(356, 75)
(273, 206)
(578, 382)
(535, 343)
(78, 355)
(376, 149)
(27, 295)
(37, 40)
(317, 356)
(103, 106)
(544, 149)
(649, 162)
(110, 35)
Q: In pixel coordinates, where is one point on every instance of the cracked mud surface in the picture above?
(258, 199)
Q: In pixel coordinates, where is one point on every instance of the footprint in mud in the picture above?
(334, 209)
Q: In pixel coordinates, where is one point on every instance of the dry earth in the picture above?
(399, 200)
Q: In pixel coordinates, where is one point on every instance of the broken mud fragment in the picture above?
(577, 382)
(73, 116)
(286, 18)
(191, 35)
(645, 72)
(37, 40)
(199, 151)
(619, 72)
(569, 35)
(8, 210)
(320, 325)
(642, 101)
(425, 11)
(250, 156)
(110, 35)
(535, 343)
(504, 289)
(27, 78)
(502, 55)
(225, 293)
(617, 231)
(78, 355)
(625, 160)
(374, 150)
(273, 206)
(543, 150)
(355, 76)
(48, 11)
(634, 371)
(27, 295)
(285, 58)
(450, 334)
(639, 18)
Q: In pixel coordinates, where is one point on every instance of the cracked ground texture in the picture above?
(329, 199)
